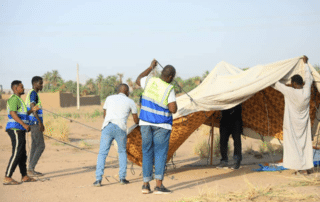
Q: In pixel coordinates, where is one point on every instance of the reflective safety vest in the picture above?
(154, 102)
(32, 118)
(22, 114)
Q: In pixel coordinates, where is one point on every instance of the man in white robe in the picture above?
(297, 144)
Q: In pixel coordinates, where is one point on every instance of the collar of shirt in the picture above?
(122, 94)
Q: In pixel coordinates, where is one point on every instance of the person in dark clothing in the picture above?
(231, 124)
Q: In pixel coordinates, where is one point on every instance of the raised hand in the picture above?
(305, 59)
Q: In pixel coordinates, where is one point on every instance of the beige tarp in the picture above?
(227, 86)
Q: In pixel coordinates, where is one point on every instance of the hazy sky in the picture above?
(124, 36)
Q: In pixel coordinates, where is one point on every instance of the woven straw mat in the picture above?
(263, 113)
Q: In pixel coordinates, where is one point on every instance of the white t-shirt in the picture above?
(171, 98)
(118, 109)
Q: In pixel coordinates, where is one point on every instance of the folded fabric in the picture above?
(269, 168)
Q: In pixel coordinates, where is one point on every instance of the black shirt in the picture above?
(232, 115)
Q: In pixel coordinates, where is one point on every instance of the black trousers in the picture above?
(234, 129)
(19, 154)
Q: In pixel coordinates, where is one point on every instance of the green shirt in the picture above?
(13, 104)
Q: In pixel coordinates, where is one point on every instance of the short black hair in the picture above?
(15, 83)
(297, 79)
(123, 87)
(36, 79)
(168, 70)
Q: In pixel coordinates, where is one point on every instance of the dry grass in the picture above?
(84, 145)
(266, 147)
(202, 146)
(57, 128)
(202, 149)
(248, 150)
(253, 193)
(78, 115)
(312, 180)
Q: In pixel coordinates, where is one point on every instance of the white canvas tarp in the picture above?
(227, 86)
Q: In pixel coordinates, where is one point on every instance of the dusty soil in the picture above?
(70, 172)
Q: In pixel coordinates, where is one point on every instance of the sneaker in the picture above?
(146, 189)
(34, 173)
(161, 190)
(124, 181)
(236, 166)
(222, 164)
(97, 183)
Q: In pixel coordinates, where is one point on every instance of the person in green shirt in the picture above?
(16, 128)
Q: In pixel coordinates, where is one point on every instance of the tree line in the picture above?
(105, 86)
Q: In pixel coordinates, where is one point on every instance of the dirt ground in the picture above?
(70, 172)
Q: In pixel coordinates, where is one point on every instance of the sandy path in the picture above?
(71, 172)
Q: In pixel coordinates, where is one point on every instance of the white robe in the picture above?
(297, 144)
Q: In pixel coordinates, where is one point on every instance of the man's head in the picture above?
(168, 73)
(123, 88)
(17, 87)
(297, 81)
(37, 83)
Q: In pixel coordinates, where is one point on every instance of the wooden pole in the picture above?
(212, 134)
(78, 90)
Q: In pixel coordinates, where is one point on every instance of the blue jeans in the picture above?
(155, 145)
(108, 134)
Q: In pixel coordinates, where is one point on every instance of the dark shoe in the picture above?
(236, 166)
(124, 181)
(161, 190)
(34, 173)
(222, 164)
(97, 183)
(146, 189)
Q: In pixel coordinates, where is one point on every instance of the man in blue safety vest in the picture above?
(17, 126)
(36, 125)
(157, 105)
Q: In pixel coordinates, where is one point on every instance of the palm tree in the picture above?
(71, 86)
(83, 90)
(130, 83)
(55, 78)
(90, 85)
(47, 81)
(120, 77)
(99, 81)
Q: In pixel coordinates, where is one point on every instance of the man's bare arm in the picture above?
(146, 72)
(173, 108)
(37, 117)
(35, 113)
(104, 113)
(135, 118)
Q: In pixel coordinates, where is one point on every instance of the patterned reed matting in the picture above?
(263, 113)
